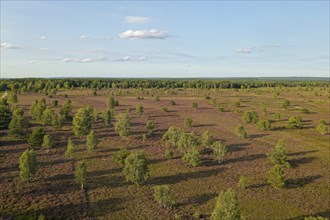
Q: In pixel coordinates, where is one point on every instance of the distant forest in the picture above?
(42, 84)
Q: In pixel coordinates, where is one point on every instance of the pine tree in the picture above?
(5, 113)
(18, 126)
(276, 177)
(47, 141)
(226, 207)
(162, 195)
(278, 155)
(106, 115)
(36, 138)
(47, 116)
(27, 164)
(82, 121)
(91, 141)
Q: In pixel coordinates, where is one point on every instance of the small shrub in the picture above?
(237, 103)
(220, 151)
(250, 117)
(304, 110)
(285, 104)
(194, 105)
(294, 122)
(188, 121)
(243, 182)
(315, 218)
(162, 195)
(263, 125)
(192, 158)
(172, 103)
(120, 156)
(322, 127)
(164, 109)
(144, 137)
(47, 141)
(240, 131)
(221, 108)
(168, 153)
(276, 177)
(157, 99)
(150, 126)
(207, 139)
(139, 109)
(277, 117)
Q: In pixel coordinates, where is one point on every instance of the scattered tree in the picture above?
(276, 176)
(243, 182)
(162, 195)
(168, 153)
(220, 151)
(250, 117)
(322, 127)
(277, 117)
(136, 167)
(47, 116)
(164, 109)
(172, 136)
(194, 105)
(139, 109)
(27, 164)
(192, 157)
(187, 141)
(207, 139)
(120, 156)
(70, 148)
(47, 141)
(107, 116)
(91, 141)
(285, 104)
(112, 102)
(5, 113)
(19, 125)
(240, 131)
(82, 121)
(278, 155)
(36, 138)
(80, 174)
(65, 111)
(263, 125)
(123, 125)
(150, 126)
(226, 207)
(188, 121)
(294, 122)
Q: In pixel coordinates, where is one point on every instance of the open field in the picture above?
(54, 193)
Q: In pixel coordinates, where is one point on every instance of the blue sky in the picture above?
(164, 39)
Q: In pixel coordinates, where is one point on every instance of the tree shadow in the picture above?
(237, 147)
(300, 182)
(304, 160)
(184, 176)
(325, 214)
(204, 125)
(12, 142)
(54, 162)
(257, 135)
(155, 161)
(107, 181)
(198, 199)
(98, 173)
(302, 153)
(106, 206)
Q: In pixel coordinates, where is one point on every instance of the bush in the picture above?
(220, 151)
(192, 158)
(80, 174)
(221, 108)
(285, 104)
(294, 122)
(277, 117)
(305, 111)
(172, 136)
(250, 117)
(322, 127)
(172, 103)
(36, 138)
(112, 102)
(136, 168)
(168, 153)
(54, 103)
(82, 121)
(70, 148)
(263, 125)
(162, 195)
(139, 109)
(194, 105)
(240, 131)
(278, 155)
(237, 103)
(123, 125)
(187, 141)
(150, 126)
(91, 141)
(47, 141)
(226, 207)
(207, 139)
(120, 156)
(164, 109)
(276, 177)
(188, 121)
(243, 182)
(27, 164)
(5, 113)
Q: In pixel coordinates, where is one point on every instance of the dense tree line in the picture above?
(49, 86)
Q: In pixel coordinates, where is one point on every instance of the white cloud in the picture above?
(244, 50)
(9, 46)
(84, 38)
(33, 61)
(144, 34)
(130, 58)
(43, 49)
(137, 20)
(84, 60)
(43, 37)
(249, 50)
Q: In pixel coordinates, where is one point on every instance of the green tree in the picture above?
(91, 141)
(278, 155)
(240, 131)
(70, 148)
(164, 109)
(276, 177)
(139, 109)
(322, 127)
(243, 182)
(188, 121)
(112, 103)
(65, 111)
(107, 116)
(80, 174)
(36, 138)
(187, 141)
(172, 136)
(194, 105)
(120, 156)
(294, 122)
(123, 125)
(150, 126)
(207, 139)
(250, 117)
(285, 104)
(47, 116)
(19, 125)
(136, 167)
(226, 207)
(220, 151)
(82, 121)
(168, 153)
(27, 164)
(162, 195)
(192, 157)
(12, 97)
(57, 122)
(5, 113)
(277, 117)
(47, 141)
(263, 125)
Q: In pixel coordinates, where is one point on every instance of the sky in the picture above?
(164, 39)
